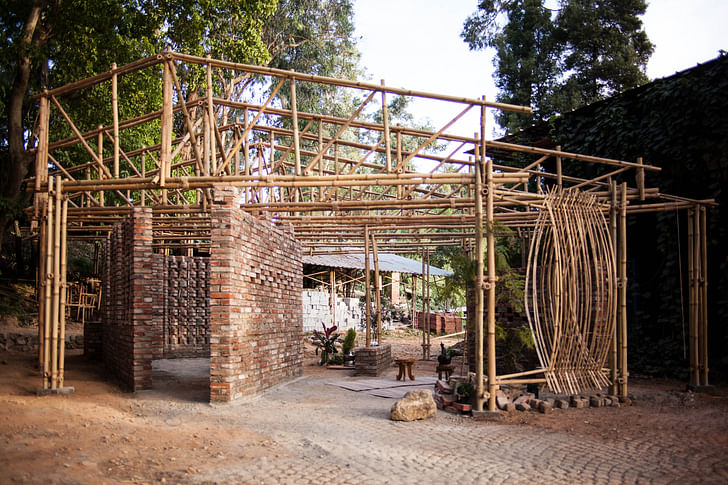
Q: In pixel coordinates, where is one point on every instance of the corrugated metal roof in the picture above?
(387, 262)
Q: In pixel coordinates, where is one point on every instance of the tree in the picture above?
(558, 61)
(47, 43)
(526, 57)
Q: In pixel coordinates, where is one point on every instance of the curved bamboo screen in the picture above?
(571, 289)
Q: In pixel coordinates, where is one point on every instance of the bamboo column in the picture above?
(385, 122)
(693, 299)
(424, 306)
(115, 114)
(165, 155)
(559, 180)
(428, 317)
(332, 295)
(622, 319)
(479, 390)
(698, 262)
(613, 235)
(377, 288)
(414, 301)
(63, 289)
(48, 277)
(368, 296)
(100, 152)
(704, 296)
(296, 134)
(492, 388)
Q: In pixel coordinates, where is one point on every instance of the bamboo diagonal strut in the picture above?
(570, 287)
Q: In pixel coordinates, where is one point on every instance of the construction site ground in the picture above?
(306, 431)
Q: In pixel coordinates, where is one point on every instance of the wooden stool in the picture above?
(405, 364)
(447, 369)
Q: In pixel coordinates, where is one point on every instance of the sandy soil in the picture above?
(169, 434)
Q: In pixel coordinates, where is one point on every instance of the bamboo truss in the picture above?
(342, 182)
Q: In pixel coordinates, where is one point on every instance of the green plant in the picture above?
(348, 345)
(464, 391)
(326, 343)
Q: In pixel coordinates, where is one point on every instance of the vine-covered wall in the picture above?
(679, 123)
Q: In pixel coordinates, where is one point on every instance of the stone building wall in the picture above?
(316, 309)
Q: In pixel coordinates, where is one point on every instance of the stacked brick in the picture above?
(186, 304)
(130, 310)
(441, 323)
(316, 309)
(372, 361)
(255, 301)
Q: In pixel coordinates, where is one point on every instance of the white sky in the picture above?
(417, 45)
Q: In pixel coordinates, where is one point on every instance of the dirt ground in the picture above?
(171, 435)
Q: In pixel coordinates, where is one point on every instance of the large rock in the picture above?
(414, 405)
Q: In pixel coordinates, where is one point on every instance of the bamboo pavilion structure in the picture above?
(350, 182)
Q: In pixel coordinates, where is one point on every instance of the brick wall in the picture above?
(441, 323)
(130, 307)
(256, 280)
(372, 361)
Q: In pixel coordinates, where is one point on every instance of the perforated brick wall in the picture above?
(256, 280)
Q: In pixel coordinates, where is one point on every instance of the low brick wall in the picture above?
(441, 323)
(372, 361)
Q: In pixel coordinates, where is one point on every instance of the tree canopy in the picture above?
(559, 60)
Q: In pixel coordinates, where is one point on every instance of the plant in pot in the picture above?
(347, 346)
(326, 343)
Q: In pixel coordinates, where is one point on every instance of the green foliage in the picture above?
(349, 341)
(326, 343)
(556, 62)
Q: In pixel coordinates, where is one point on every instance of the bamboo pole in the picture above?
(48, 284)
(695, 297)
(377, 288)
(368, 296)
(55, 317)
(211, 120)
(424, 305)
(699, 273)
(414, 301)
(559, 180)
(332, 295)
(492, 387)
(64, 287)
(296, 140)
(100, 150)
(115, 115)
(166, 131)
(624, 373)
(704, 295)
(42, 271)
(613, 361)
(428, 322)
(385, 122)
(479, 388)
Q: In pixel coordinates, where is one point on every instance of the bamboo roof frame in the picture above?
(341, 182)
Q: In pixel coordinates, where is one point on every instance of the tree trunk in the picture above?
(16, 165)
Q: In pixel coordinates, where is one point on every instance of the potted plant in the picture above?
(347, 346)
(326, 342)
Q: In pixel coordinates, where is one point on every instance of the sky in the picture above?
(416, 44)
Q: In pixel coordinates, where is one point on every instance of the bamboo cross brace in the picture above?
(237, 145)
(432, 138)
(341, 130)
(190, 125)
(80, 137)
